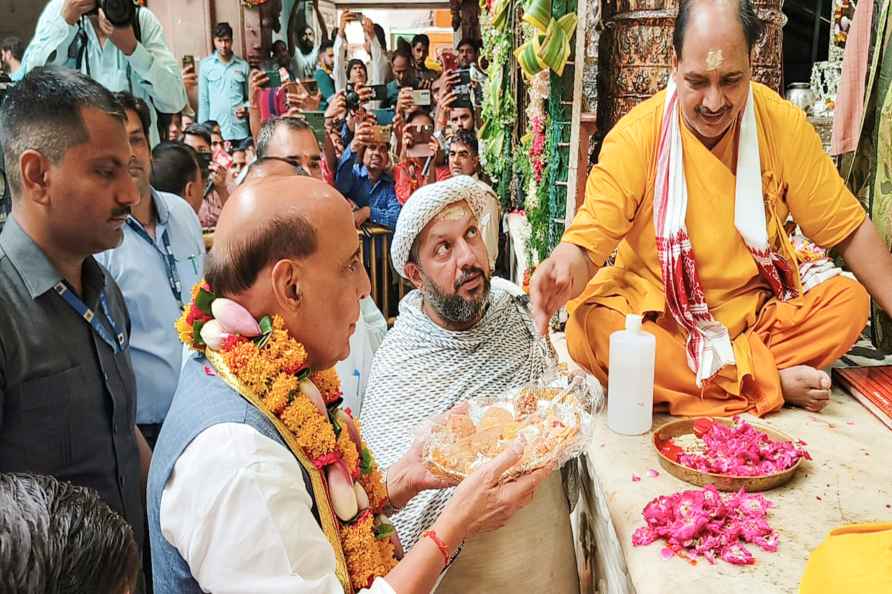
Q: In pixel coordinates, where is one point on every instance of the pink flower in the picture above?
(704, 523)
(736, 554)
(741, 450)
(643, 536)
(233, 318)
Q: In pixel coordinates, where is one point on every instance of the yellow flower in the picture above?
(373, 483)
(280, 393)
(311, 429)
(348, 452)
(239, 357)
(329, 384)
(364, 560)
(184, 330)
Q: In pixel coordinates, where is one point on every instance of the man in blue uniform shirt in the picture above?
(160, 259)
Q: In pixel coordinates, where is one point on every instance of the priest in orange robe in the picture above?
(693, 191)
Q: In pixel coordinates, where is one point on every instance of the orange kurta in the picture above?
(799, 179)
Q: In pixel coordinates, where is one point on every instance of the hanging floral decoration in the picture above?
(528, 165)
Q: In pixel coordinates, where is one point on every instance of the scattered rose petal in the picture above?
(818, 498)
(850, 422)
(635, 478)
(705, 523)
(652, 473)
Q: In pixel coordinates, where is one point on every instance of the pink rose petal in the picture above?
(635, 478)
(705, 523)
(652, 473)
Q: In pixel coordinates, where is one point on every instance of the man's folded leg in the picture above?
(814, 331)
(675, 386)
(808, 335)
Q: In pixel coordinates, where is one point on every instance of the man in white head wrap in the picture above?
(459, 335)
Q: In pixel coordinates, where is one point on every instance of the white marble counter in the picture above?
(848, 481)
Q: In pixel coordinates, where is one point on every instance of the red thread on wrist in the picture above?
(444, 550)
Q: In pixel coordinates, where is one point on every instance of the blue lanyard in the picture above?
(170, 261)
(115, 340)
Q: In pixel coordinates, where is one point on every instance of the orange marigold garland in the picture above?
(272, 366)
(363, 551)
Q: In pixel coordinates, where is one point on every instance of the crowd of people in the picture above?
(124, 419)
(120, 160)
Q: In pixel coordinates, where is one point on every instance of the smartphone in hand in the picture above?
(421, 139)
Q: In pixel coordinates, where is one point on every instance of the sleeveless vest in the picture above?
(202, 400)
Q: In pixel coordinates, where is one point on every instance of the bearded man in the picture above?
(694, 187)
(238, 501)
(458, 337)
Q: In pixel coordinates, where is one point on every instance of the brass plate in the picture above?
(721, 482)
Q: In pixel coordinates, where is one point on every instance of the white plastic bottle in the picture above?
(630, 385)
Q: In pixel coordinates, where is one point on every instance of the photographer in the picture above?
(363, 177)
(296, 100)
(418, 153)
(405, 74)
(379, 65)
(137, 59)
(454, 105)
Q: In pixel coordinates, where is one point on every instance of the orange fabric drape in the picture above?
(814, 330)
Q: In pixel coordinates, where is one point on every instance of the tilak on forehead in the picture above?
(714, 59)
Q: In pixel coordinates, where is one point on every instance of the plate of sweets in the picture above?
(553, 414)
(730, 454)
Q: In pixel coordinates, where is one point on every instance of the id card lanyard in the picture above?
(170, 261)
(115, 339)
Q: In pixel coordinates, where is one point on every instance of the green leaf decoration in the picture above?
(538, 14)
(334, 424)
(266, 325)
(384, 531)
(203, 301)
(528, 58)
(196, 332)
(365, 461)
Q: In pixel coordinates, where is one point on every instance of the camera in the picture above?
(464, 76)
(119, 13)
(352, 98)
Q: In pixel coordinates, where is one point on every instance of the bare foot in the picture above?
(806, 387)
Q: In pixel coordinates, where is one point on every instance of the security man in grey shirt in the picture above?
(67, 390)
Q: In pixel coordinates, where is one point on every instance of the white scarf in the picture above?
(709, 344)
(422, 370)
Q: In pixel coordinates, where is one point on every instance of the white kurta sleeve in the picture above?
(339, 67)
(237, 510)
